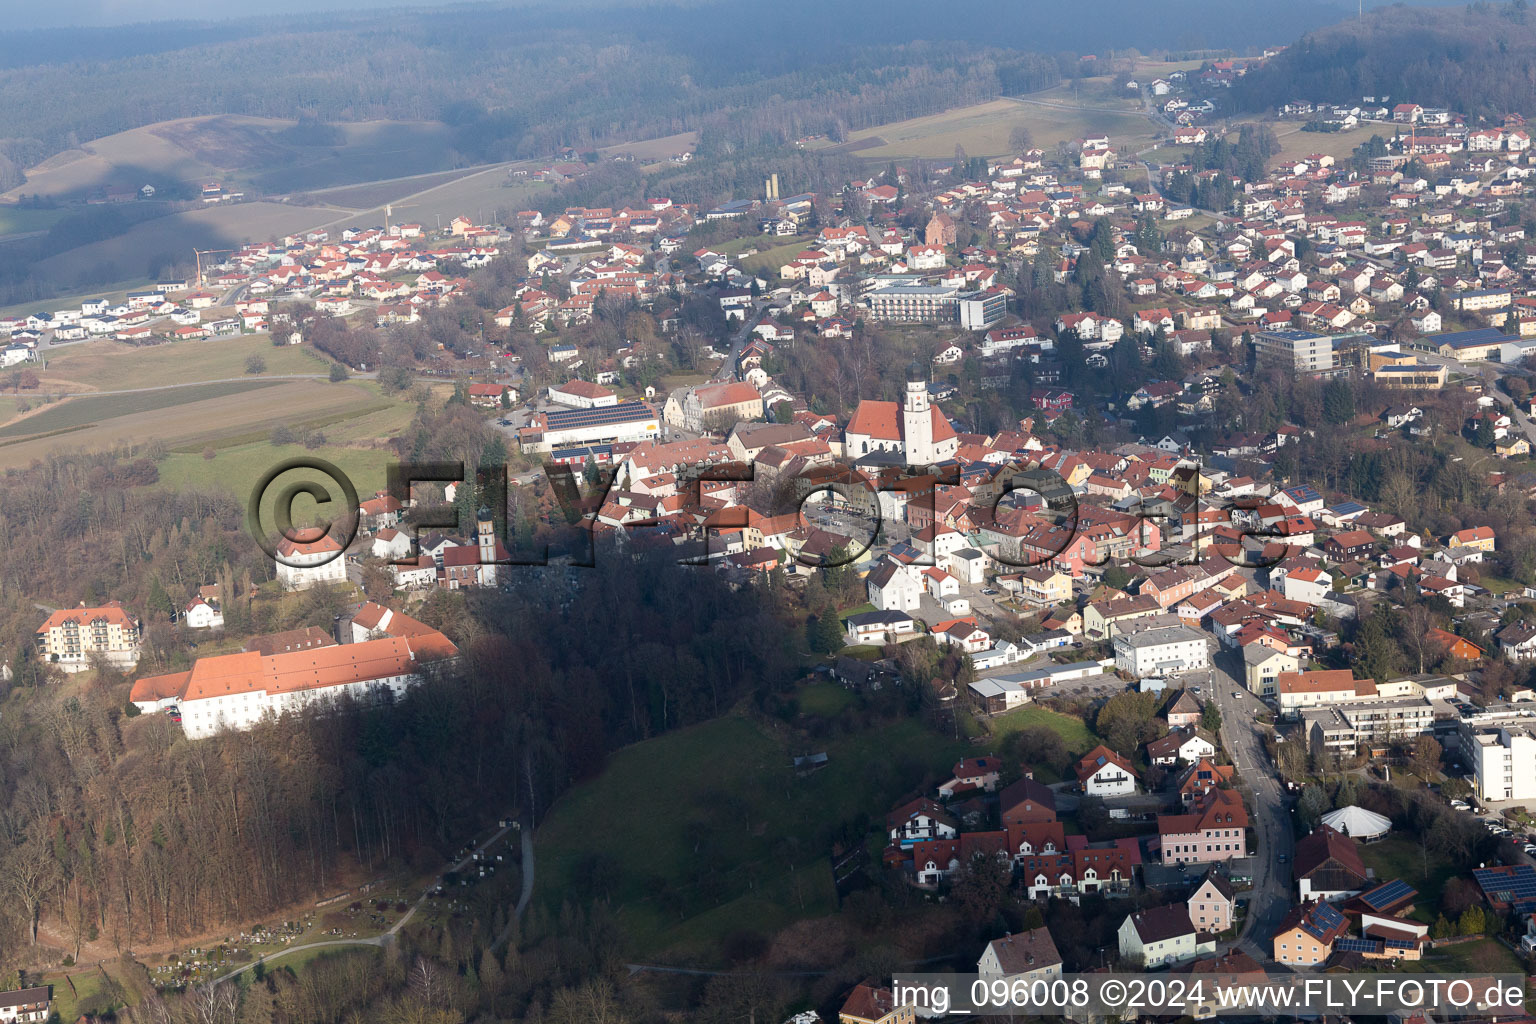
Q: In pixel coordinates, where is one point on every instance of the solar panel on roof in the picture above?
(1356, 945)
(1388, 894)
(1400, 943)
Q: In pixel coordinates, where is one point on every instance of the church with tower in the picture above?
(912, 431)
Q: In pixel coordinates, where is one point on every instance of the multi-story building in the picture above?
(1502, 758)
(1216, 830)
(1345, 726)
(1297, 350)
(1171, 649)
(69, 639)
(236, 691)
(303, 564)
(915, 302)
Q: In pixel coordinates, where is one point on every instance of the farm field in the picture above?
(477, 195)
(373, 194)
(983, 129)
(727, 780)
(178, 416)
(112, 365)
(651, 150)
(250, 152)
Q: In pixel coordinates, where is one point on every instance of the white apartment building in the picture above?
(1152, 652)
(301, 566)
(1502, 760)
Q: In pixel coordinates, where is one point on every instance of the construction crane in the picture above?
(389, 209)
(200, 253)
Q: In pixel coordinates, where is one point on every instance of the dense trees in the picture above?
(1473, 58)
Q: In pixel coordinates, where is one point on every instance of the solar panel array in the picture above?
(1519, 884)
(1387, 894)
(1322, 919)
(624, 412)
(1357, 945)
(1400, 943)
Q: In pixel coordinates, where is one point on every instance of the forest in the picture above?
(1474, 59)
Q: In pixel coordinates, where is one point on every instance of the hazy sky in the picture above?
(61, 13)
(27, 14)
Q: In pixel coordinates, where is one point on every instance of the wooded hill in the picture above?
(1476, 59)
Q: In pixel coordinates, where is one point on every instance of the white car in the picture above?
(1238, 694)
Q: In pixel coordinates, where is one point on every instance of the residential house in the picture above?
(1158, 936)
(1102, 772)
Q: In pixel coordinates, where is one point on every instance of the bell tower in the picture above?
(917, 425)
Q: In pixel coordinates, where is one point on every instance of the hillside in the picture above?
(1475, 59)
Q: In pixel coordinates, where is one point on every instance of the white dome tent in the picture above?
(1358, 823)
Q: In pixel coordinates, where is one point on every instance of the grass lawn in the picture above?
(707, 805)
(1295, 143)
(1073, 731)
(84, 989)
(824, 699)
(771, 259)
(16, 220)
(1484, 956)
(115, 366)
(1406, 859)
(236, 470)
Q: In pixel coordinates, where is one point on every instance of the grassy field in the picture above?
(1295, 143)
(1078, 738)
(770, 260)
(717, 858)
(1407, 859)
(478, 195)
(983, 129)
(1484, 956)
(114, 366)
(16, 220)
(182, 416)
(824, 699)
(237, 470)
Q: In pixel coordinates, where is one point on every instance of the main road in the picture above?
(1242, 734)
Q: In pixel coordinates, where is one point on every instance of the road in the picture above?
(739, 340)
(1242, 734)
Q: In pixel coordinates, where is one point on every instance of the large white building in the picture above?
(915, 430)
(236, 691)
(303, 565)
(1153, 652)
(1502, 759)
